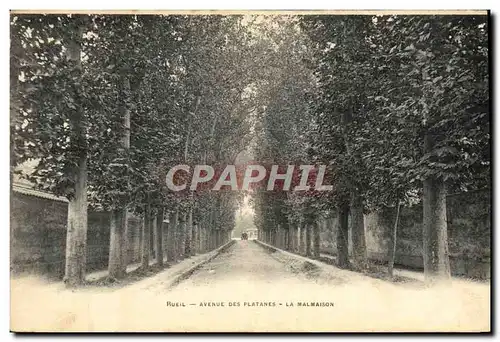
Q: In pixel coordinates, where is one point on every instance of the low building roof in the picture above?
(26, 189)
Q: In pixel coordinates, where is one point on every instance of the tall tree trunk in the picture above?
(207, 240)
(206, 236)
(152, 231)
(117, 265)
(343, 237)
(358, 231)
(175, 228)
(199, 237)
(316, 239)
(435, 235)
(76, 237)
(146, 233)
(138, 258)
(116, 258)
(171, 257)
(166, 216)
(295, 241)
(302, 239)
(201, 234)
(195, 236)
(124, 252)
(188, 233)
(159, 237)
(393, 243)
(435, 238)
(211, 228)
(181, 236)
(308, 238)
(203, 237)
(211, 239)
(177, 241)
(214, 239)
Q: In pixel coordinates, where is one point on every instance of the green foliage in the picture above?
(355, 93)
(384, 82)
(183, 79)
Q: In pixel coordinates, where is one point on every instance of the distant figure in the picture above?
(244, 236)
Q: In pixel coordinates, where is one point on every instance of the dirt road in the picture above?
(247, 288)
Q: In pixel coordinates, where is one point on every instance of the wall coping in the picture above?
(27, 190)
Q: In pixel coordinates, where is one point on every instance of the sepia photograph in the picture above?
(210, 171)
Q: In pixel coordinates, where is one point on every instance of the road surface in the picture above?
(247, 288)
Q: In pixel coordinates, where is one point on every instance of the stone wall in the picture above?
(469, 230)
(38, 236)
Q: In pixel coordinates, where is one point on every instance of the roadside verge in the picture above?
(169, 276)
(324, 268)
(183, 275)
